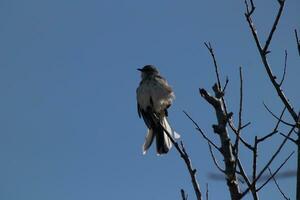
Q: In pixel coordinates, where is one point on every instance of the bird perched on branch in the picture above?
(154, 97)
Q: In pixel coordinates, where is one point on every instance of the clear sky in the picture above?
(69, 129)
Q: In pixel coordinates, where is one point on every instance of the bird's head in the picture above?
(148, 70)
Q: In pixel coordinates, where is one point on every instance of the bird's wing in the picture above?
(148, 118)
(164, 82)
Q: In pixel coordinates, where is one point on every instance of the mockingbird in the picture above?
(154, 97)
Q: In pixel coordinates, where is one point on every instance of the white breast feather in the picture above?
(158, 91)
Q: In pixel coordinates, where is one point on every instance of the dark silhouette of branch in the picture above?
(268, 163)
(183, 195)
(206, 194)
(297, 41)
(275, 128)
(218, 87)
(226, 146)
(266, 47)
(236, 144)
(289, 138)
(214, 159)
(226, 83)
(264, 51)
(284, 122)
(277, 170)
(211, 51)
(181, 150)
(202, 133)
(284, 69)
(277, 185)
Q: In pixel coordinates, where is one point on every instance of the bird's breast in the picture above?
(159, 94)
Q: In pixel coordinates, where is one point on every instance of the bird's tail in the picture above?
(163, 142)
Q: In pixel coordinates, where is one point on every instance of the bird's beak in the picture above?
(140, 69)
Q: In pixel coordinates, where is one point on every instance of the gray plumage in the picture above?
(154, 97)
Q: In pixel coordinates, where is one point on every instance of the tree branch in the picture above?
(268, 163)
(185, 158)
(284, 70)
(297, 41)
(202, 133)
(279, 119)
(214, 159)
(277, 185)
(282, 164)
(183, 195)
(263, 52)
(226, 146)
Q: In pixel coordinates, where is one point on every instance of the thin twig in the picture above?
(231, 125)
(297, 41)
(241, 100)
(277, 185)
(251, 10)
(284, 122)
(244, 126)
(268, 163)
(202, 133)
(183, 195)
(284, 70)
(214, 159)
(211, 51)
(226, 83)
(206, 191)
(289, 138)
(264, 51)
(186, 159)
(277, 170)
(275, 128)
(245, 177)
(237, 139)
(243, 173)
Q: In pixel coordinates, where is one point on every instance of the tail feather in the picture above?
(163, 142)
(148, 141)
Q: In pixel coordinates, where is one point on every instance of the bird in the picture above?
(154, 96)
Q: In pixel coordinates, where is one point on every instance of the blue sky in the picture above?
(69, 127)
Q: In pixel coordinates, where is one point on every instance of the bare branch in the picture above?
(264, 51)
(289, 138)
(211, 51)
(226, 145)
(185, 157)
(243, 173)
(238, 133)
(241, 100)
(279, 119)
(275, 129)
(231, 125)
(202, 133)
(297, 41)
(254, 165)
(268, 163)
(183, 195)
(226, 83)
(284, 70)
(251, 9)
(281, 3)
(282, 164)
(214, 159)
(245, 177)
(244, 126)
(206, 191)
(277, 185)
